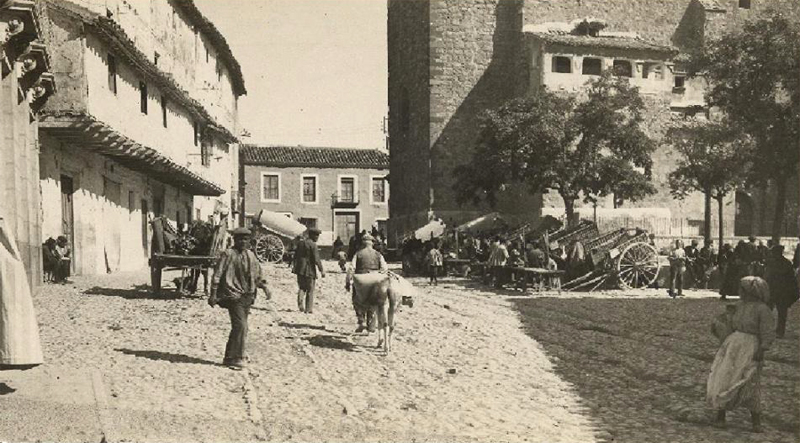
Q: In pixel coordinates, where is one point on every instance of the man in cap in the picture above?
(306, 263)
(366, 260)
(236, 278)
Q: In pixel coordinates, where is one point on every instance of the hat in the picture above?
(314, 231)
(367, 237)
(241, 231)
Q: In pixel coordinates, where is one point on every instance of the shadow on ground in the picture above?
(6, 389)
(640, 367)
(166, 356)
(302, 326)
(330, 342)
(139, 292)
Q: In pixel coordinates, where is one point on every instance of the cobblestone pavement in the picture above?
(124, 365)
(641, 364)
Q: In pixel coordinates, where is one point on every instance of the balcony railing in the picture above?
(343, 200)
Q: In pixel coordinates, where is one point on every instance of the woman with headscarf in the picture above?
(736, 372)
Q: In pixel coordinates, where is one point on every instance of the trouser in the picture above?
(305, 294)
(676, 279)
(235, 349)
(364, 314)
(499, 276)
(433, 272)
(780, 328)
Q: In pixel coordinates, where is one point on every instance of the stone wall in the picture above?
(409, 110)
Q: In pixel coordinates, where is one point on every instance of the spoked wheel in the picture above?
(268, 248)
(637, 266)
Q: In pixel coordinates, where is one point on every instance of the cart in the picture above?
(272, 232)
(622, 257)
(165, 257)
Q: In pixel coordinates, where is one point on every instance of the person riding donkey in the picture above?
(366, 260)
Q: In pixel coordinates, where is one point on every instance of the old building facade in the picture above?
(25, 86)
(144, 126)
(337, 190)
(449, 61)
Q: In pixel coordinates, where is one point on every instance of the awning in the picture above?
(82, 130)
(489, 222)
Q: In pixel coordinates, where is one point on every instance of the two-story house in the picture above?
(144, 126)
(339, 191)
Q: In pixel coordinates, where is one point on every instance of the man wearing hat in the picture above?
(366, 260)
(306, 263)
(236, 278)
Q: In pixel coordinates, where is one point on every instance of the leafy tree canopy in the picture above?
(590, 146)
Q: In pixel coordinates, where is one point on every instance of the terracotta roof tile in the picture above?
(316, 157)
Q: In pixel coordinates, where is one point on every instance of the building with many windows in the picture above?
(339, 191)
(451, 60)
(144, 126)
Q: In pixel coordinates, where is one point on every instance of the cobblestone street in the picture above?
(124, 365)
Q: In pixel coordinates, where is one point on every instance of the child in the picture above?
(435, 262)
(50, 260)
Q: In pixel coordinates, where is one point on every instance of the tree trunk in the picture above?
(569, 207)
(721, 207)
(780, 208)
(707, 217)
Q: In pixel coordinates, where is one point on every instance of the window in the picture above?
(219, 70)
(156, 56)
(178, 219)
(347, 189)
(196, 131)
(164, 111)
(143, 97)
(378, 190)
(206, 48)
(270, 187)
(562, 64)
(309, 189)
(653, 71)
(382, 227)
(623, 68)
(308, 222)
(744, 4)
(205, 153)
(680, 83)
(112, 74)
(592, 66)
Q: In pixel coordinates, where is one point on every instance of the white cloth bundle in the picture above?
(19, 332)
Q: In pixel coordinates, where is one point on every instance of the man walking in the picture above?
(366, 260)
(306, 263)
(236, 277)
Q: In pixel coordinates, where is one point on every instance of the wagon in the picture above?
(164, 255)
(272, 232)
(622, 257)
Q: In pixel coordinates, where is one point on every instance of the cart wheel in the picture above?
(268, 248)
(637, 266)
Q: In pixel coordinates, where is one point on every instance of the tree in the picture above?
(754, 77)
(589, 146)
(714, 161)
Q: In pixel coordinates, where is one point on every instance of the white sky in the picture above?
(315, 70)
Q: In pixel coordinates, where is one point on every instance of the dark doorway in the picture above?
(68, 215)
(145, 224)
(347, 224)
(743, 224)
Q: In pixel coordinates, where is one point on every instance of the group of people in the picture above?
(504, 255)
(238, 276)
(56, 259)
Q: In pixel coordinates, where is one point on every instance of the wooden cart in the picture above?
(272, 232)
(162, 260)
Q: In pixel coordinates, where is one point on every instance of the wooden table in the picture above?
(543, 279)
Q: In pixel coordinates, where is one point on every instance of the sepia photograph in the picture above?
(552, 221)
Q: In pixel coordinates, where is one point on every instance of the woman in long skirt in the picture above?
(735, 374)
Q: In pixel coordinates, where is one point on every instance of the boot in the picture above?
(720, 420)
(756, 422)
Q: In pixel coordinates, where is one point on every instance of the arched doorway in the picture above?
(743, 224)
